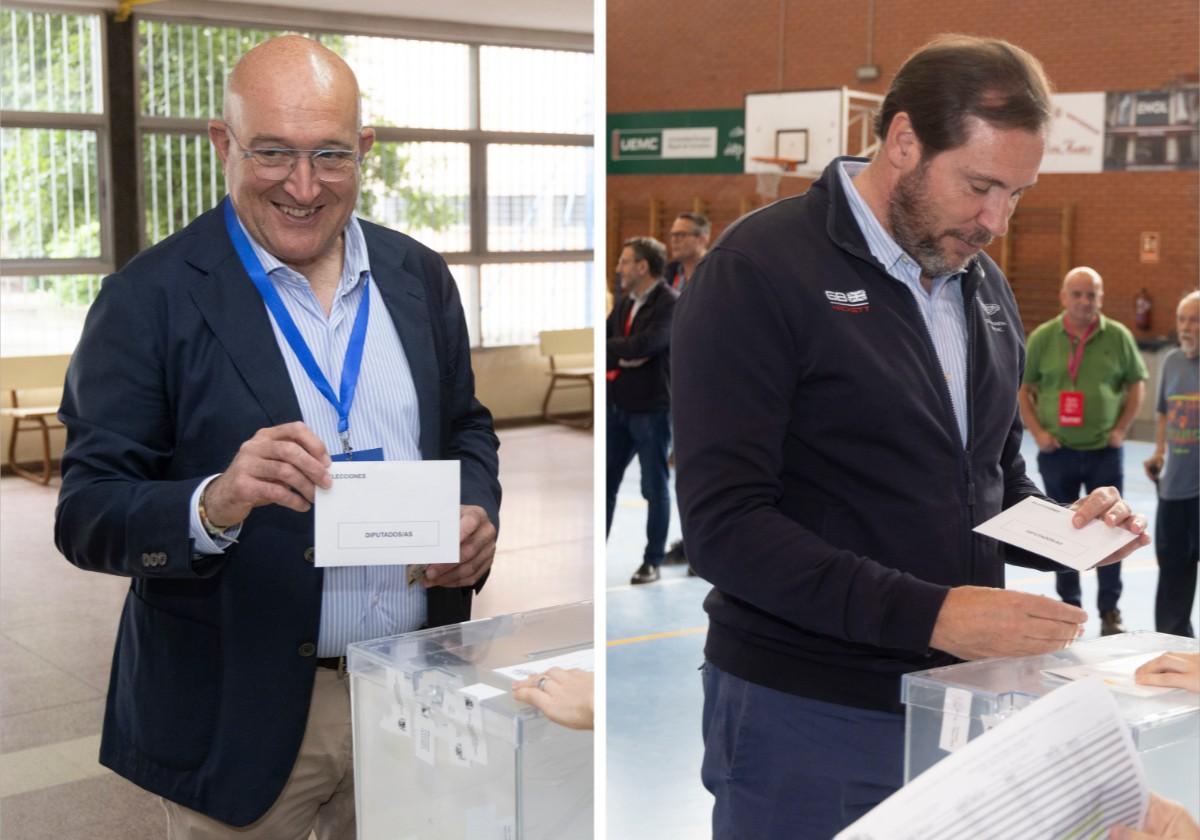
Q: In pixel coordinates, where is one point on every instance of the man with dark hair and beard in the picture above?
(855, 421)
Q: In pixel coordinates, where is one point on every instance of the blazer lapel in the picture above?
(235, 313)
(404, 294)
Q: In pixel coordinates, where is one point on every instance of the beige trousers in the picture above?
(319, 795)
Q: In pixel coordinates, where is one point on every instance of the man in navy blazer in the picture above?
(196, 441)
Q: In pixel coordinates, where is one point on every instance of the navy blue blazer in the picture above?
(178, 365)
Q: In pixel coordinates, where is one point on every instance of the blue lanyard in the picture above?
(358, 334)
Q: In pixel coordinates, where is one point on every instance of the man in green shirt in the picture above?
(1084, 383)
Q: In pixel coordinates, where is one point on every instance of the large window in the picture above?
(500, 188)
(54, 230)
(483, 152)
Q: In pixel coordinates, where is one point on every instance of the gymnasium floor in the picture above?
(656, 642)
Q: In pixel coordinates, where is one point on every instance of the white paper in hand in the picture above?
(1045, 528)
(388, 513)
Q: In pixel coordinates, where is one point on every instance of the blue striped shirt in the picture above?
(358, 602)
(941, 307)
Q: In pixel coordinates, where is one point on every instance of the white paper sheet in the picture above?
(1046, 529)
(575, 659)
(388, 513)
(1117, 674)
(1065, 766)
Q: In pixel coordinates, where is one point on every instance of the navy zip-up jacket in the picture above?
(824, 488)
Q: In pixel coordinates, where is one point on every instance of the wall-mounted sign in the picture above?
(1152, 129)
(1076, 139)
(1148, 252)
(676, 142)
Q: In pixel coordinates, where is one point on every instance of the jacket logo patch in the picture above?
(854, 302)
(990, 309)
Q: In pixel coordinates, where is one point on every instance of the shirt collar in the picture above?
(355, 261)
(639, 299)
(883, 247)
(1100, 323)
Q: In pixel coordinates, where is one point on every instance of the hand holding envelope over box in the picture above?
(1051, 531)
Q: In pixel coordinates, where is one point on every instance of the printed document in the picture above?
(388, 513)
(1045, 528)
(1063, 767)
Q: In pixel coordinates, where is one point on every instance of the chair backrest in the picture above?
(37, 379)
(566, 342)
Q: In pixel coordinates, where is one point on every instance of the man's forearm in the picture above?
(1026, 396)
(1134, 395)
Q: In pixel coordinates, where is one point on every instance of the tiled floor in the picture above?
(656, 643)
(58, 624)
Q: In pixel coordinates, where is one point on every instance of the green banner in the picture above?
(676, 142)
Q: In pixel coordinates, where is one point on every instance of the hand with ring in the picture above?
(566, 697)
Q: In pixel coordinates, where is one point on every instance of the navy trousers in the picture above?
(1064, 473)
(646, 434)
(1177, 542)
(787, 767)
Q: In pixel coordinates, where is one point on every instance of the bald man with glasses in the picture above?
(219, 375)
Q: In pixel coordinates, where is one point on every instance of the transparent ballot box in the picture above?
(945, 707)
(442, 751)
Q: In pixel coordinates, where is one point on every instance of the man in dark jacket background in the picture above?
(847, 413)
(639, 391)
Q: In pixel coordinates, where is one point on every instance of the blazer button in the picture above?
(309, 554)
(307, 649)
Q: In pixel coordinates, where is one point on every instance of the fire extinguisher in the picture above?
(1142, 306)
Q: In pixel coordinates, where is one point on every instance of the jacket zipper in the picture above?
(967, 453)
(948, 402)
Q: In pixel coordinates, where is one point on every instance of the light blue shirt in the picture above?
(941, 307)
(358, 602)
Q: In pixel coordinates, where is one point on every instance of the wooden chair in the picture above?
(20, 377)
(574, 346)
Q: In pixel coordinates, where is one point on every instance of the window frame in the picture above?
(206, 12)
(57, 120)
(474, 37)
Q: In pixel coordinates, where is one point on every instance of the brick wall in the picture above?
(675, 55)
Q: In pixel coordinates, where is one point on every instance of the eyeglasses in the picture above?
(277, 163)
(680, 234)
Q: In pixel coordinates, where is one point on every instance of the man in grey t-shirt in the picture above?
(1177, 529)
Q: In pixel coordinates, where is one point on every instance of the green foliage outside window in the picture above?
(183, 177)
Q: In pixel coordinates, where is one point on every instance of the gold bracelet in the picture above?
(213, 529)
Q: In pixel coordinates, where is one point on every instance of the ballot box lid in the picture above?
(1002, 686)
(478, 659)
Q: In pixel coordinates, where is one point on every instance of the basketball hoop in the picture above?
(767, 185)
(783, 164)
(768, 180)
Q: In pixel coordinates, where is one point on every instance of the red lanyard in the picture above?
(1075, 359)
(629, 317)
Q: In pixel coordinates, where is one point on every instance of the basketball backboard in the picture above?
(797, 133)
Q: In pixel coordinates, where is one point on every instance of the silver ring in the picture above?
(541, 684)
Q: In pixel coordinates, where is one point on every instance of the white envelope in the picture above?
(1045, 528)
(382, 513)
